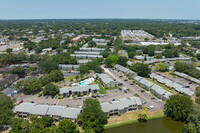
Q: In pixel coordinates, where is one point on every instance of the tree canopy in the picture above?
(92, 116)
(51, 89)
(56, 75)
(67, 126)
(178, 107)
(141, 69)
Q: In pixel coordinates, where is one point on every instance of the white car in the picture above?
(151, 107)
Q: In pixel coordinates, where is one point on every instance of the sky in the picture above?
(98, 9)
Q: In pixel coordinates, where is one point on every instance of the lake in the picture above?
(162, 125)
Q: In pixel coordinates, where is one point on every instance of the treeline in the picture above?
(188, 68)
(104, 27)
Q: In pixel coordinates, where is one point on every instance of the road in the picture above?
(135, 89)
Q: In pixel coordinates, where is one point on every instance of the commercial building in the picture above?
(92, 49)
(76, 39)
(85, 56)
(82, 90)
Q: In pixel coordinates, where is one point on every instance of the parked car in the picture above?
(115, 90)
(113, 100)
(142, 91)
(46, 97)
(94, 96)
(119, 84)
(152, 98)
(132, 83)
(190, 82)
(144, 102)
(120, 89)
(114, 79)
(120, 76)
(150, 107)
(21, 101)
(126, 80)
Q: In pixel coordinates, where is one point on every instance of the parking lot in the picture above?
(135, 89)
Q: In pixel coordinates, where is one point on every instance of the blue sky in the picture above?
(66, 9)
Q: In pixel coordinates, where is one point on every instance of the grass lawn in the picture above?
(69, 78)
(102, 89)
(132, 117)
(116, 87)
(163, 86)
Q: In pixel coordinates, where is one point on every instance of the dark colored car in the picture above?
(142, 91)
(93, 96)
(126, 80)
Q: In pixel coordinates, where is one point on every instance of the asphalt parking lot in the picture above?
(135, 89)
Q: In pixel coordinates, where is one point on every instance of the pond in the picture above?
(162, 125)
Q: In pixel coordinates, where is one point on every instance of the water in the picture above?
(84, 82)
(162, 125)
(148, 58)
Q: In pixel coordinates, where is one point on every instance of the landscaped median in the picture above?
(132, 117)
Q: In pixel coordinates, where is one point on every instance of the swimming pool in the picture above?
(148, 58)
(84, 82)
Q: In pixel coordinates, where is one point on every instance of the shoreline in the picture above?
(131, 122)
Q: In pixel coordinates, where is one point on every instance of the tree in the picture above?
(56, 75)
(77, 77)
(122, 60)
(92, 116)
(45, 80)
(31, 85)
(8, 50)
(83, 69)
(48, 65)
(178, 107)
(108, 62)
(162, 67)
(67, 126)
(198, 56)
(141, 69)
(6, 114)
(18, 70)
(168, 53)
(142, 117)
(47, 121)
(72, 61)
(51, 89)
(189, 128)
(98, 70)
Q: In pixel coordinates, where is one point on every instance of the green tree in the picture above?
(168, 53)
(56, 75)
(189, 128)
(142, 117)
(141, 69)
(92, 116)
(48, 65)
(51, 89)
(72, 61)
(8, 50)
(67, 126)
(31, 85)
(19, 71)
(108, 62)
(198, 56)
(83, 69)
(178, 107)
(47, 121)
(162, 67)
(122, 60)
(6, 114)
(45, 80)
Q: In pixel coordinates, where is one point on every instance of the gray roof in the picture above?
(136, 99)
(167, 95)
(106, 107)
(158, 89)
(79, 88)
(129, 63)
(38, 109)
(137, 78)
(143, 81)
(149, 84)
(105, 78)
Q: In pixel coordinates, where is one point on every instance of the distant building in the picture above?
(76, 39)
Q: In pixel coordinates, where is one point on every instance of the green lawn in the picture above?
(102, 89)
(116, 87)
